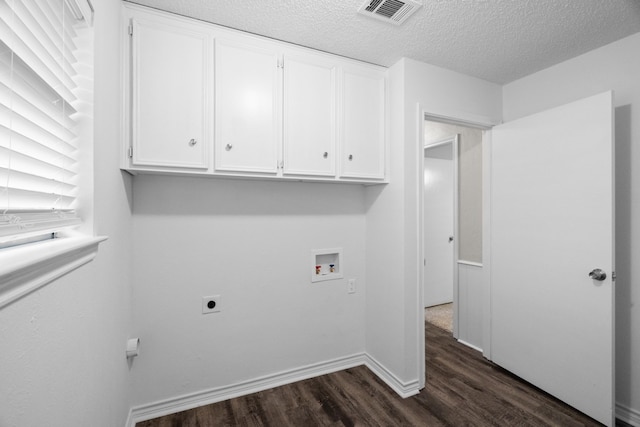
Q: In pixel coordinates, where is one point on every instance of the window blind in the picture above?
(38, 116)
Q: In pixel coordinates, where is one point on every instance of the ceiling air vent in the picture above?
(394, 11)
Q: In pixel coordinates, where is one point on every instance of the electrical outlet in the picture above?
(211, 304)
(351, 286)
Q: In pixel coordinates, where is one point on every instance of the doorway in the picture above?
(440, 223)
(540, 212)
(454, 247)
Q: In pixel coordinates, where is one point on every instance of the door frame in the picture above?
(454, 140)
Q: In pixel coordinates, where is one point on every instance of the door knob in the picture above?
(193, 142)
(450, 239)
(598, 275)
(228, 147)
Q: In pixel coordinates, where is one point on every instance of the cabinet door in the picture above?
(170, 88)
(247, 117)
(309, 116)
(363, 118)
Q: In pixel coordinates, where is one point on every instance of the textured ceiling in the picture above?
(496, 40)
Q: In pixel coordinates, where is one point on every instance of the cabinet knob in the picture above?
(193, 142)
(350, 156)
(228, 147)
(325, 155)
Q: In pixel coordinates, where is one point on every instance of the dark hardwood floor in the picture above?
(462, 389)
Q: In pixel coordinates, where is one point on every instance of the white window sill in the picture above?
(23, 269)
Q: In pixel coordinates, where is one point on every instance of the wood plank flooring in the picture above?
(462, 389)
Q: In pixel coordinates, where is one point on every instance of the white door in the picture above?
(247, 116)
(309, 116)
(439, 196)
(551, 225)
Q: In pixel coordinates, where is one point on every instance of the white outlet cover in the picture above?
(351, 286)
(205, 304)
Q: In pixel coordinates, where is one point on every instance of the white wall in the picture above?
(615, 66)
(249, 242)
(394, 330)
(62, 357)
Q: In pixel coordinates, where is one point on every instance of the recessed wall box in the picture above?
(326, 264)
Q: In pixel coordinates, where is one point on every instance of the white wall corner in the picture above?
(403, 388)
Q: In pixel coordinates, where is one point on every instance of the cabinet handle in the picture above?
(350, 156)
(325, 155)
(228, 147)
(193, 142)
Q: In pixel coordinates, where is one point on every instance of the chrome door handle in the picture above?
(598, 275)
(193, 142)
(450, 239)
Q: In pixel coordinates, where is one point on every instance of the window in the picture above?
(46, 89)
(44, 104)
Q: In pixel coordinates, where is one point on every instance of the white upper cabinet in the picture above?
(170, 86)
(309, 116)
(247, 116)
(206, 100)
(363, 123)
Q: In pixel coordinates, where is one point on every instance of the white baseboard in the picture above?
(206, 397)
(218, 394)
(475, 347)
(628, 415)
(404, 389)
(130, 422)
